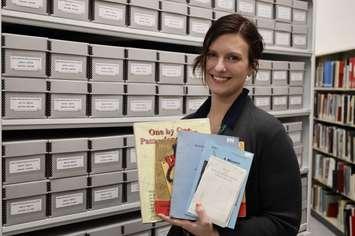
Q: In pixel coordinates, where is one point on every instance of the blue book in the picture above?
(328, 74)
(233, 155)
(188, 155)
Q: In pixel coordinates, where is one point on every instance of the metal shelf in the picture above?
(334, 123)
(24, 18)
(78, 217)
(320, 182)
(331, 155)
(335, 89)
(22, 124)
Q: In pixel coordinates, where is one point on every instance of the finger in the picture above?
(201, 214)
(177, 222)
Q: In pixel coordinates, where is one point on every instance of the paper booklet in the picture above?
(218, 190)
(146, 134)
(188, 156)
(239, 158)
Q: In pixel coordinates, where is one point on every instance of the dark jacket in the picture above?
(273, 190)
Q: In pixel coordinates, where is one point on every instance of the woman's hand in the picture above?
(201, 227)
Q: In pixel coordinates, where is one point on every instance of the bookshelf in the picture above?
(334, 141)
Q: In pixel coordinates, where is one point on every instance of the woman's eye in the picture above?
(233, 58)
(211, 55)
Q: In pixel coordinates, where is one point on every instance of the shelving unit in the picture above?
(46, 22)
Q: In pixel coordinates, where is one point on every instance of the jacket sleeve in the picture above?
(280, 190)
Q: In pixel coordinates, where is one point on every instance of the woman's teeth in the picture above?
(220, 78)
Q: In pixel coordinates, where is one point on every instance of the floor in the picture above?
(318, 229)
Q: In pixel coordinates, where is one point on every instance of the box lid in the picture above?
(16, 41)
(270, 1)
(300, 4)
(262, 91)
(68, 47)
(173, 57)
(171, 90)
(141, 89)
(284, 2)
(68, 87)
(265, 64)
(136, 226)
(197, 90)
(141, 54)
(295, 90)
(280, 65)
(131, 175)
(265, 23)
(297, 65)
(115, 1)
(151, 4)
(34, 188)
(200, 12)
(174, 7)
(130, 140)
(24, 148)
(107, 142)
(113, 88)
(104, 51)
(280, 90)
(66, 184)
(68, 145)
(299, 29)
(283, 26)
(14, 84)
(106, 179)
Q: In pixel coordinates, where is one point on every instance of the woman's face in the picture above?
(227, 65)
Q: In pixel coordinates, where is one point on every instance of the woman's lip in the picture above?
(220, 78)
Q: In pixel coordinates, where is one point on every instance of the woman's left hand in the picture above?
(201, 227)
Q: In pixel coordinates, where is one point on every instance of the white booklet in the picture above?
(218, 190)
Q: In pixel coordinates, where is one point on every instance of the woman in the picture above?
(230, 53)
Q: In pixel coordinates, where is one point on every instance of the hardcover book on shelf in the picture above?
(146, 134)
(328, 74)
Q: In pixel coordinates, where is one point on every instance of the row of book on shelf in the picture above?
(171, 182)
(335, 141)
(335, 207)
(336, 73)
(335, 107)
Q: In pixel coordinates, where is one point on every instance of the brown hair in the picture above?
(229, 24)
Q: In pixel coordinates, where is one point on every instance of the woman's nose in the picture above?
(220, 65)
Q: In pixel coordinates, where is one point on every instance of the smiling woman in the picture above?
(230, 53)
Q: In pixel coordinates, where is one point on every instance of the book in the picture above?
(146, 134)
(240, 158)
(164, 171)
(188, 154)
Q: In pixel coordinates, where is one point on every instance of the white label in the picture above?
(72, 6)
(28, 3)
(133, 156)
(282, 38)
(105, 194)
(284, 12)
(24, 207)
(134, 187)
(279, 75)
(194, 104)
(171, 71)
(199, 27)
(67, 104)
(107, 69)
(246, 7)
(263, 76)
(268, 36)
(69, 200)
(226, 4)
(24, 165)
(264, 10)
(107, 104)
(173, 22)
(170, 104)
(25, 104)
(280, 101)
(203, 1)
(68, 66)
(296, 76)
(299, 40)
(106, 157)
(260, 102)
(296, 100)
(144, 19)
(24, 63)
(70, 162)
(141, 69)
(111, 13)
(299, 16)
(295, 137)
(141, 105)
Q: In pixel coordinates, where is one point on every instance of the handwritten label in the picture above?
(27, 165)
(28, 3)
(141, 105)
(173, 22)
(107, 104)
(25, 103)
(111, 13)
(105, 194)
(107, 69)
(24, 207)
(23, 63)
(72, 6)
(106, 157)
(67, 104)
(70, 162)
(144, 19)
(69, 200)
(68, 66)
